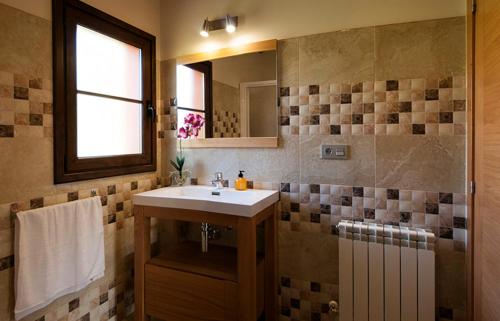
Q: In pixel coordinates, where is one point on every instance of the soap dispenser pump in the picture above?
(241, 182)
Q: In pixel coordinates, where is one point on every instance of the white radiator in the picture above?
(386, 273)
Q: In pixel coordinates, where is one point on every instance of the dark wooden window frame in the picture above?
(204, 67)
(67, 14)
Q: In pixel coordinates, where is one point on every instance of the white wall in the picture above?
(279, 19)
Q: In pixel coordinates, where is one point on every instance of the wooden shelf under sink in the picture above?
(219, 262)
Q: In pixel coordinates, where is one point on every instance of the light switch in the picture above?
(334, 151)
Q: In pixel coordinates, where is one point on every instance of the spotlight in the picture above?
(230, 27)
(204, 29)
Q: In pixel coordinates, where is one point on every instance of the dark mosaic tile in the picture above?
(334, 129)
(357, 88)
(315, 218)
(431, 94)
(36, 119)
(314, 188)
(295, 207)
(112, 312)
(446, 82)
(72, 196)
(285, 216)
(357, 118)
(134, 185)
(104, 200)
(460, 222)
(369, 213)
(368, 108)
(36, 202)
(459, 105)
(285, 187)
(446, 117)
(313, 89)
(405, 107)
(225, 183)
(285, 120)
(119, 297)
(21, 93)
(393, 118)
(172, 101)
(294, 110)
(405, 217)
(446, 198)
(418, 129)
(446, 313)
(111, 189)
(6, 131)
(346, 201)
(6, 262)
(446, 233)
(250, 184)
(315, 287)
(103, 298)
(285, 281)
(36, 83)
(284, 91)
(431, 208)
(286, 311)
(345, 98)
(314, 120)
(119, 206)
(325, 308)
(111, 218)
(73, 304)
(161, 134)
(42, 318)
(85, 317)
(391, 85)
(295, 303)
(324, 109)
(392, 194)
(325, 208)
(357, 191)
(194, 181)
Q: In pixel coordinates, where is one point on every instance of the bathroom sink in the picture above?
(198, 197)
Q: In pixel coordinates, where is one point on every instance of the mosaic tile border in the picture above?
(226, 124)
(318, 207)
(387, 107)
(25, 106)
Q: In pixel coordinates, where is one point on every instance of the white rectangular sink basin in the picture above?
(198, 197)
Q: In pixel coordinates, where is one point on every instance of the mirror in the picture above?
(236, 94)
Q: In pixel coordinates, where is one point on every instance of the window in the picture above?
(194, 93)
(104, 90)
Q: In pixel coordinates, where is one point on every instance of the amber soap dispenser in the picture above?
(241, 182)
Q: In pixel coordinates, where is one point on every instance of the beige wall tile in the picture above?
(308, 256)
(421, 163)
(357, 170)
(336, 57)
(288, 62)
(424, 49)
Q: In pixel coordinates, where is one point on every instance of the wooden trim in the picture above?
(67, 166)
(196, 216)
(142, 237)
(470, 278)
(266, 45)
(233, 142)
(271, 265)
(247, 269)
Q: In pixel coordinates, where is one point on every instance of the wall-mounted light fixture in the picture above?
(229, 23)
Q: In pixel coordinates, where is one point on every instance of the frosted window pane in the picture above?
(107, 127)
(190, 88)
(107, 66)
(181, 113)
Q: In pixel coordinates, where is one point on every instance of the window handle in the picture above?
(151, 111)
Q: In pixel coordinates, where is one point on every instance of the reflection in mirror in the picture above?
(236, 95)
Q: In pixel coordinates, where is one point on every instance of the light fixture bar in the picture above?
(229, 23)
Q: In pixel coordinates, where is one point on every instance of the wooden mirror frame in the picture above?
(233, 142)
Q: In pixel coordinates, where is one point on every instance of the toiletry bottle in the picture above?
(241, 182)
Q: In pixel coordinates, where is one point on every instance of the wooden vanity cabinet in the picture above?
(225, 284)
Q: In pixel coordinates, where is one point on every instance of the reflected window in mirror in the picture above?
(243, 95)
(194, 93)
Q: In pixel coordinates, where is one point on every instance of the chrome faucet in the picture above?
(218, 182)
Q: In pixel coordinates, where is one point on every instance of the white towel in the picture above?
(59, 250)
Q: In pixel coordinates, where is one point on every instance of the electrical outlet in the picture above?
(334, 151)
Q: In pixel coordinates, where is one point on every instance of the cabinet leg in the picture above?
(271, 266)
(247, 270)
(142, 232)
